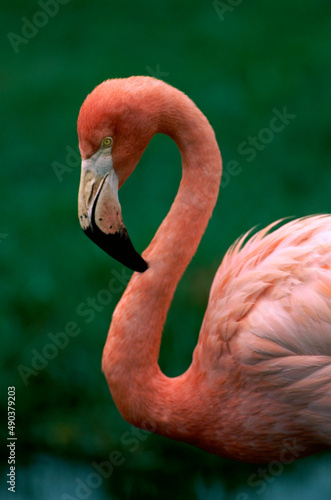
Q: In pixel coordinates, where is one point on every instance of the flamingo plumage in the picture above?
(259, 385)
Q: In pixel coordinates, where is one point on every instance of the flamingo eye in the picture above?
(107, 142)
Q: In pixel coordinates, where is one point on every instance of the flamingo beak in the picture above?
(100, 214)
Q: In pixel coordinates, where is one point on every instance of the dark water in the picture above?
(49, 478)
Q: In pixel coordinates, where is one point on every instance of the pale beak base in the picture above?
(100, 214)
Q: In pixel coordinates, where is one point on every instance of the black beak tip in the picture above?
(118, 246)
(141, 266)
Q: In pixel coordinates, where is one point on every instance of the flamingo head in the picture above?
(114, 127)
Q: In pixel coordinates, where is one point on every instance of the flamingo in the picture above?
(259, 385)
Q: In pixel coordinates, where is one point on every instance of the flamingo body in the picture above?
(259, 386)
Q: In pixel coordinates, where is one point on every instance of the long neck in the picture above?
(140, 390)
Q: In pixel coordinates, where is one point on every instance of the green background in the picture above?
(238, 67)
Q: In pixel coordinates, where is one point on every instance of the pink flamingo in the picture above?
(259, 386)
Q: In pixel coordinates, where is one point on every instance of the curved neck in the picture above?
(130, 359)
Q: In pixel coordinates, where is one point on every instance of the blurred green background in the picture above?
(238, 61)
